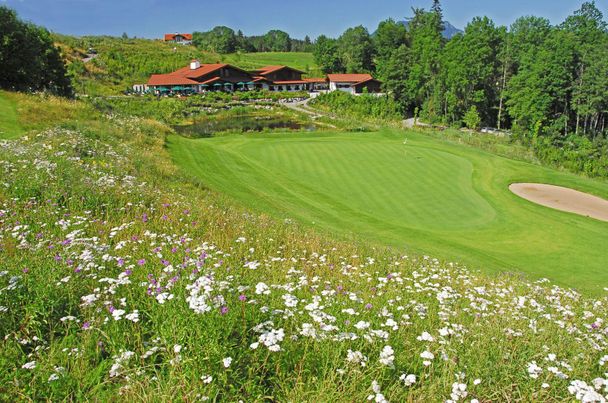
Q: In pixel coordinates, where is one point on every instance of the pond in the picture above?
(241, 124)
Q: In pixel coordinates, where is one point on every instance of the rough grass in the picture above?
(412, 192)
(21, 113)
(121, 278)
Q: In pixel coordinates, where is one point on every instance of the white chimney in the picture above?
(195, 64)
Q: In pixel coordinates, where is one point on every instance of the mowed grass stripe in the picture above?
(427, 196)
(9, 124)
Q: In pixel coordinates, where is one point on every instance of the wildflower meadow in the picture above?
(123, 278)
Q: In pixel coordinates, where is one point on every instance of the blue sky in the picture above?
(152, 18)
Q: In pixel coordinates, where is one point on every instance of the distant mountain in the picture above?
(448, 32)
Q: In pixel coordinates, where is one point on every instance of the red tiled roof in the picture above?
(185, 75)
(271, 69)
(349, 78)
(211, 81)
(201, 71)
(171, 37)
(316, 80)
(170, 79)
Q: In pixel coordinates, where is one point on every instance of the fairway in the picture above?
(412, 192)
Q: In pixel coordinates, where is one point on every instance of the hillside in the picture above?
(122, 274)
(120, 63)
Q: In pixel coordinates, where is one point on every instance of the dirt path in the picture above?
(302, 107)
(90, 57)
(564, 199)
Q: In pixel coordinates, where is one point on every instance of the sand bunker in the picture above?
(564, 199)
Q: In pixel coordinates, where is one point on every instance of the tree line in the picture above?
(29, 60)
(532, 77)
(222, 39)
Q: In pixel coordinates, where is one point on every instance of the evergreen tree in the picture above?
(436, 8)
(425, 52)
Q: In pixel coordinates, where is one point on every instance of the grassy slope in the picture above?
(299, 60)
(124, 62)
(9, 125)
(427, 195)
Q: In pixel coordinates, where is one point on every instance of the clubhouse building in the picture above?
(199, 78)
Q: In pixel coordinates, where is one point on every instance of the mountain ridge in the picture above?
(449, 30)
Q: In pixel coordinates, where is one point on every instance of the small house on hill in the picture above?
(354, 83)
(184, 39)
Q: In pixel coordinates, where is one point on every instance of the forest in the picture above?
(546, 84)
(224, 40)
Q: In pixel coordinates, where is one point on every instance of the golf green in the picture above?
(410, 191)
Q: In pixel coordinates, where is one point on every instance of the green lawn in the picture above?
(423, 195)
(9, 125)
(298, 60)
